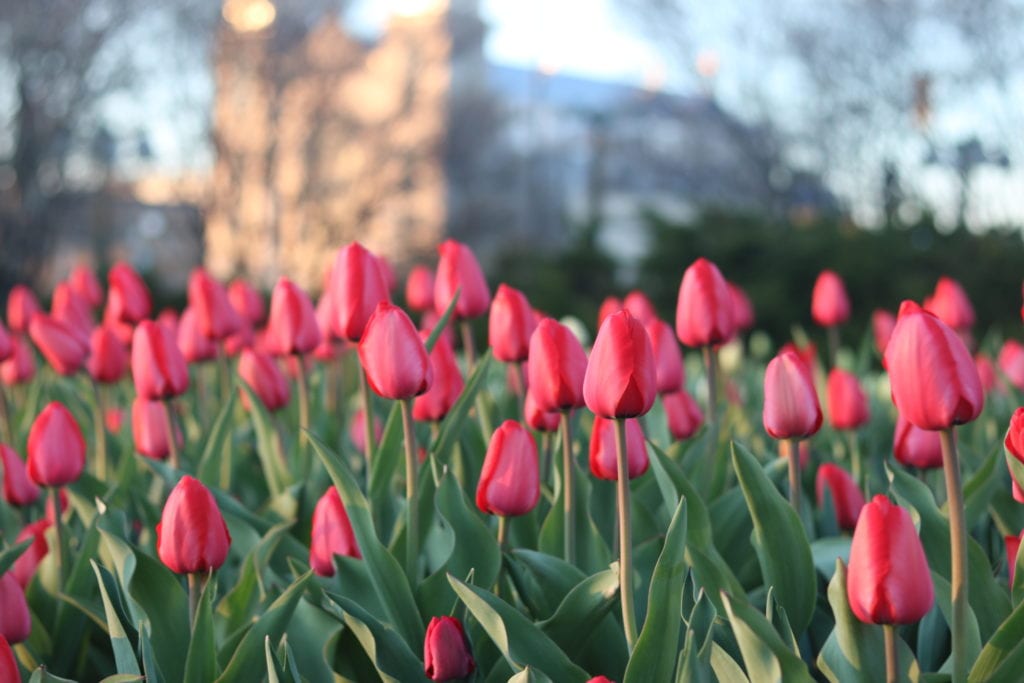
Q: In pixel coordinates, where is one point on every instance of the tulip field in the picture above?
(432, 480)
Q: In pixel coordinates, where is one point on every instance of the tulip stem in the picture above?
(5, 416)
(412, 522)
(717, 470)
(891, 661)
(101, 433)
(467, 346)
(832, 331)
(58, 536)
(502, 532)
(224, 371)
(856, 462)
(625, 536)
(568, 469)
(302, 388)
(172, 442)
(545, 467)
(958, 553)
(368, 414)
(196, 584)
(791, 452)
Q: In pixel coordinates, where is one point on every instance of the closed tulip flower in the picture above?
(419, 289)
(510, 481)
(950, 304)
(829, 303)
(192, 536)
(611, 304)
(393, 355)
(541, 420)
(846, 496)
(704, 308)
(446, 653)
(246, 301)
(292, 327)
(742, 308)
(326, 350)
(510, 325)
(158, 368)
(987, 374)
(683, 414)
(85, 283)
(1014, 445)
(444, 391)
(357, 430)
(916, 447)
(149, 429)
(808, 353)
(557, 367)
(6, 343)
(108, 358)
(15, 620)
(847, 402)
(56, 447)
(215, 315)
(195, 347)
(1012, 547)
(882, 324)
(20, 366)
(19, 490)
(332, 534)
(639, 306)
(62, 348)
(128, 298)
(621, 380)
(935, 384)
(603, 463)
(24, 568)
(1011, 362)
(600, 679)
(888, 581)
(357, 286)
(113, 418)
(668, 357)
(458, 268)
(21, 306)
(72, 310)
(8, 665)
(791, 408)
(264, 377)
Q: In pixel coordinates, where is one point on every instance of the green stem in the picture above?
(172, 442)
(368, 414)
(717, 471)
(856, 461)
(302, 389)
(625, 536)
(833, 344)
(568, 470)
(196, 584)
(502, 531)
(5, 418)
(224, 371)
(100, 428)
(467, 346)
(58, 533)
(958, 553)
(891, 661)
(791, 452)
(412, 522)
(545, 467)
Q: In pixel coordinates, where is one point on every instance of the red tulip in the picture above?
(6, 343)
(791, 408)
(1011, 362)
(393, 355)
(882, 324)
(124, 330)
(170, 319)
(808, 353)
(742, 308)
(113, 418)
(639, 306)
(419, 289)
(325, 350)
(444, 391)
(950, 304)
(292, 326)
(214, 313)
(683, 414)
(1012, 547)
(704, 309)
(56, 447)
(458, 268)
(446, 653)
(557, 366)
(611, 304)
(194, 346)
(847, 402)
(668, 357)
(192, 536)
(61, 347)
(541, 420)
(935, 383)
(18, 488)
(246, 301)
(72, 310)
(15, 620)
(356, 287)
(264, 377)
(239, 340)
(8, 665)
(603, 460)
(829, 303)
(846, 496)
(888, 581)
(510, 481)
(332, 534)
(1014, 445)
(621, 379)
(20, 366)
(158, 367)
(149, 429)
(600, 679)
(387, 272)
(21, 305)
(510, 325)
(85, 283)
(128, 298)
(24, 568)
(987, 374)
(51, 510)
(357, 430)
(916, 447)
(108, 358)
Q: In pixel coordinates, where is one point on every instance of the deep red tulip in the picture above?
(600, 679)
(510, 325)
(357, 286)
(158, 368)
(128, 298)
(846, 496)
(916, 447)
(56, 447)
(21, 305)
(170, 319)
(195, 347)
(113, 418)
(85, 283)
(935, 384)
(557, 366)
(611, 304)
(621, 379)
(683, 414)
(987, 374)
(603, 459)
(6, 343)
(1014, 445)
(541, 420)
(246, 301)
(882, 324)
(847, 402)
(444, 391)
(24, 568)
(704, 308)
(668, 357)
(149, 429)
(393, 355)
(829, 303)
(108, 358)
(510, 480)
(357, 430)
(332, 534)
(292, 326)
(639, 306)
(419, 289)
(215, 315)
(62, 348)
(791, 408)
(458, 268)
(888, 581)
(446, 653)
(192, 536)
(1011, 362)
(949, 303)
(15, 620)
(742, 308)
(20, 366)
(8, 665)
(264, 377)
(19, 490)
(72, 310)
(1012, 546)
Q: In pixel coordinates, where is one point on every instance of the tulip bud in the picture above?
(510, 481)
(611, 304)
(108, 358)
(882, 324)
(791, 408)
(325, 350)
(1011, 362)
(742, 308)
(557, 367)
(170, 319)
(639, 306)
(704, 308)
(20, 366)
(246, 301)
(15, 620)
(949, 303)
(916, 447)
(541, 420)
(419, 289)
(356, 287)
(1012, 547)
(847, 402)
(215, 315)
(393, 355)
(56, 447)
(888, 581)
(668, 357)
(387, 272)
(458, 268)
(510, 325)
(1014, 445)
(829, 303)
(603, 460)
(72, 310)
(332, 534)
(808, 353)
(935, 384)
(61, 347)
(192, 536)
(18, 488)
(683, 414)
(158, 368)
(620, 380)
(24, 568)
(846, 496)
(86, 285)
(6, 343)
(194, 346)
(446, 653)
(265, 378)
(113, 418)
(128, 298)
(149, 429)
(21, 305)
(444, 391)
(600, 679)
(357, 430)
(292, 327)
(8, 665)
(241, 339)
(987, 374)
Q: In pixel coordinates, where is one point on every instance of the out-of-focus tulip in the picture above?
(19, 490)
(169, 318)
(393, 355)
(246, 301)
(458, 268)
(829, 303)
(882, 324)
(387, 272)
(192, 536)
(621, 380)
(541, 420)
(149, 429)
(987, 374)
(446, 654)
(1012, 546)
(916, 447)
(6, 343)
(215, 316)
(194, 346)
(444, 391)
(357, 430)
(24, 568)
(331, 535)
(510, 325)
(611, 304)
(600, 679)
(791, 408)
(510, 480)
(241, 339)
(128, 298)
(1011, 362)
(603, 461)
(72, 310)
(419, 289)
(808, 353)
(888, 581)
(20, 366)
(292, 326)
(847, 402)
(557, 366)
(56, 447)
(846, 496)
(357, 286)
(158, 368)
(935, 384)
(704, 308)
(950, 304)
(108, 358)
(51, 509)
(640, 306)
(21, 305)
(742, 308)
(683, 414)
(113, 418)
(325, 350)
(1014, 445)
(64, 350)
(85, 283)
(264, 377)
(15, 620)
(8, 665)
(668, 357)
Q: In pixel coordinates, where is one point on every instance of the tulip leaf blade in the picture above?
(726, 669)
(1002, 658)
(766, 655)
(10, 555)
(529, 675)
(386, 457)
(201, 660)
(979, 488)
(390, 655)
(268, 448)
(582, 611)
(442, 322)
(124, 654)
(943, 598)
(211, 468)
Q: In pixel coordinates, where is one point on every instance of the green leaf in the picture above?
(1002, 658)
(9, 556)
(529, 675)
(124, 653)
(41, 675)
(592, 552)
(201, 660)
(826, 551)
(725, 667)
(123, 678)
(765, 654)
(780, 541)
(979, 488)
(268, 446)
(943, 593)
(210, 470)
(391, 656)
(451, 426)
(387, 456)
(442, 322)
(582, 611)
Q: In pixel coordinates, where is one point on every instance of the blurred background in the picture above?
(582, 147)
